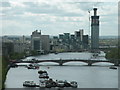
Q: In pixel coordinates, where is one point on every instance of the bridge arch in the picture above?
(48, 62)
(80, 62)
(104, 63)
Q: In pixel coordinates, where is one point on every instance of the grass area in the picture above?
(3, 71)
(0, 72)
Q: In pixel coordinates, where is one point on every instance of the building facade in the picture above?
(45, 41)
(36, 41)
(95, 30)
(40, 43)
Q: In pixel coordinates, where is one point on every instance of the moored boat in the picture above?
(29, 84)
(74, 84)
(33, 66)
(112, 67)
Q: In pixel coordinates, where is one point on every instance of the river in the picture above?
(97, 76)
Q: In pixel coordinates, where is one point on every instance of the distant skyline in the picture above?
(53, 17)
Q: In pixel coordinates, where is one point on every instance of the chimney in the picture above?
(95, 11)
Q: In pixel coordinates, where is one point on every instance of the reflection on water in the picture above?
(71, 55)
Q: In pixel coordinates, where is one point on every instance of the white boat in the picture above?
(74, 84)
(43, 76)
(60, 83)
(29, 84)
(42, 83)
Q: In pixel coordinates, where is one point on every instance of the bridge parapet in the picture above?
(61, 62)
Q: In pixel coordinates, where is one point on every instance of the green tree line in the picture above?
(113, 53)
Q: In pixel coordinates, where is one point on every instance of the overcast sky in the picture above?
(53, 17)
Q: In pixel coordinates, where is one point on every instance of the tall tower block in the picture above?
(95, 30)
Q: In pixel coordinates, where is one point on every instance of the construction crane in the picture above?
(89, 22)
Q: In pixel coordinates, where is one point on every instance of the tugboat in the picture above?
(29, 84)
(33, 66)
(112, 67)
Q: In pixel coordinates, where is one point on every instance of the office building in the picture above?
(85, 41)
(40, 43)
(36, 41)
(79, 34)
(45, 41)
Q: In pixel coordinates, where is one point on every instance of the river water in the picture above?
(97, 76)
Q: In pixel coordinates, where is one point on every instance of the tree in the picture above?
(113, 54)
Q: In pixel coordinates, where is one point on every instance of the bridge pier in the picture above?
(116, 64)
(89, 63)
(60, 64)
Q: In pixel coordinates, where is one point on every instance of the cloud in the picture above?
(56, 16)
(5, 4)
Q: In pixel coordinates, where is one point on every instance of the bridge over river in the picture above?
(62, 61)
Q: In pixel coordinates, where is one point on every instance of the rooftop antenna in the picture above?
(40, 31)
(89, 30)
(89, 12)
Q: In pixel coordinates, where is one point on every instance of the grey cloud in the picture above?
(5, 4)
(43, 8)
(16, 14)
(85, 6)
(48, 9)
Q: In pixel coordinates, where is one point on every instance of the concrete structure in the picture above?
(70, 42)
(61, 61)
(19, 47)
(61, 36)
(79, 34)
(23, 39)
(85, 41)
(45, 41)
(7, 48)
(40, 43)
(95, 30)
(36, 41)
(18, 44)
